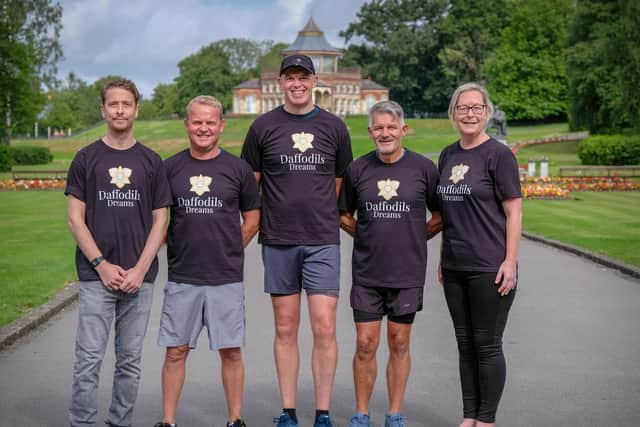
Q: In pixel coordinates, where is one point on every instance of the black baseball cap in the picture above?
(297, 60)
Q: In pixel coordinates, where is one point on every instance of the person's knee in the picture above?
(324, 329)
(366, 347)
(177, 354)
(286, 326)
(231, 355)
(487, 345)
(399, 344)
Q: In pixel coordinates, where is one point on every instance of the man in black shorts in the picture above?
(391, 189)
(211, 190)
(298, 153)
(117, 211)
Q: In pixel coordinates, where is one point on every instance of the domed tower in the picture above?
(340, 90)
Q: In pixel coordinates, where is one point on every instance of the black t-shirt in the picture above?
(204, 239)
(299, 158)
(473, 185)
(390, 201)
(120, 189)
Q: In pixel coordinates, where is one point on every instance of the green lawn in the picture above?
(36, 250)
(558, 154)
(606, 223)
(427, 136)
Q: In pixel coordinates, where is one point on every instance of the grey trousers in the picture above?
(98, 306)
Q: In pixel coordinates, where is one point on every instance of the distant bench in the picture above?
(630, 171)
(39, 174)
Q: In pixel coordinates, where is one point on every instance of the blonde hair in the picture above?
(489, 108)
(205, 100)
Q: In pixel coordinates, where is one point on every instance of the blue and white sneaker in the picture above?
(284, 420)
(360, 420)
(394, 420)
(323, 420)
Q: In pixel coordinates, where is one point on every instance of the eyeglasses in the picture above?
(475, 109)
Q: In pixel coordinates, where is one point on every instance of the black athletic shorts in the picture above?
(370, 304)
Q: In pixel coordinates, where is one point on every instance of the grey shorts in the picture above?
(289, 269)
(372, 303)
(189, 308)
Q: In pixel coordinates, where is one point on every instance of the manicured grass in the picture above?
(606, 223)
(558, 154)
(36, 250)
(426, 136)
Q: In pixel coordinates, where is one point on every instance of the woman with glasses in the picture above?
(481, 212)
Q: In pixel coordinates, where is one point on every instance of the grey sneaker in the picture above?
(394, 420)
(360, 420)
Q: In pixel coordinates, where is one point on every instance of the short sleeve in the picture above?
(347, 199)
(251, 151)
(161, 190)
(344, 156)
(76, 177)
(249, 194)
(506, 175)
(433, 178)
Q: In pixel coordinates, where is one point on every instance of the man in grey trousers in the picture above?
(117, 211)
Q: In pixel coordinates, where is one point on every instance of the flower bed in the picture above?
(33, 184)
(560, 188)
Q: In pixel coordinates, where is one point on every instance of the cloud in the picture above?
(145, 39)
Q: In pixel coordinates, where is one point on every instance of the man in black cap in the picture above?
(299, 153)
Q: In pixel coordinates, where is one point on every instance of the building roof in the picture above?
(310, 39)
(368, 84)
(249, 84)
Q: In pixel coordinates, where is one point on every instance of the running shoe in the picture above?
(323, 420)
(360, 420)
(237, 423)
(394, 420)
(284, 420)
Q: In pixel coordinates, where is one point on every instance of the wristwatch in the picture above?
(96, 261)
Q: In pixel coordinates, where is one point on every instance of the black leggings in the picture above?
(479, 317)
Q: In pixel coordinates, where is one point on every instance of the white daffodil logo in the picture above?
(120, 176)
(302, 141)
(200, 184)
(388, 188)
(457, 172)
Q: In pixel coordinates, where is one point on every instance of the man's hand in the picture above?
(133, 281)
(111, 275)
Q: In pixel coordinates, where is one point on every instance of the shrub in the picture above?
(29, 155)
(6, 159)
(610, 150)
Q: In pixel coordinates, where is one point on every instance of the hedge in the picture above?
(29, 155)
(610, 150)
(6, 160)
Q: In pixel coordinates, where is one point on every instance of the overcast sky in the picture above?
(145, 39)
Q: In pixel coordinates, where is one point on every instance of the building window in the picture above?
(370, 101)
(328, 64)
(251, 104)
(317, 62)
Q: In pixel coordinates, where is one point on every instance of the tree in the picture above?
(165, 97)
(206, 72)
(469, 33)
(271, 60)
(527, 74)
(29, 52)
(400, 48)
(243, 55)
(604, 66)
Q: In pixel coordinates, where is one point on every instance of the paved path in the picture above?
(572, 343)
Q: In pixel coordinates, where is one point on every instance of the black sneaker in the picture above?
(161, 424)
(237, 423)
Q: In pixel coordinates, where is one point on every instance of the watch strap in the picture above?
(96, 261)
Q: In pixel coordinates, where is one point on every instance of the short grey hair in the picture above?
(388, 106)
(205, 100)
(466, 88)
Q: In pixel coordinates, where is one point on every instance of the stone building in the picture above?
(340, 90)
